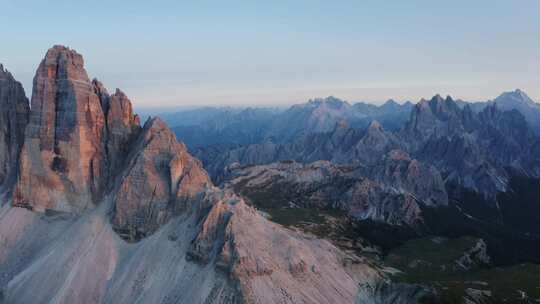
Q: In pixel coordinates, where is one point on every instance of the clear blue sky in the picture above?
(168, 53)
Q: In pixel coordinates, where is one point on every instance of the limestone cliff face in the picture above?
(14, 110)
(62, 160)
(122, 128)
(161, 179)
(76, 140)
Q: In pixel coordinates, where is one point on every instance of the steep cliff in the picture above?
(14, 111)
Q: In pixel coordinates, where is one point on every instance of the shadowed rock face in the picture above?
(14, 109)
(161, 179)
(62, 159)
(122, 128)
(398, 171)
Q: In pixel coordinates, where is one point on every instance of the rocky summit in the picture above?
(63, 157)
(13, 119)
(98, 209)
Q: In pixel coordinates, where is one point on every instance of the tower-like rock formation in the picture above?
(122, 127)
(62, 161)
(14, 111)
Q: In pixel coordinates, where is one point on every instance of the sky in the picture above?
(180, 53)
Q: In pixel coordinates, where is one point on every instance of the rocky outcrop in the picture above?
(474, 257)
(14, 111)
(62, 161)
(161, 179)
(437, 117)
(392, 194)
(76, 140)
(123, 126)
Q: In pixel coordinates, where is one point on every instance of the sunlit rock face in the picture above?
(62, 160)
(77, 136)
(14, 109)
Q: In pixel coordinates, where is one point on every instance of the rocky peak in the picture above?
(471, 149)
(62, 160)
(375, 142)
(102, 93)
(505, 121)
(391, 105)
(63, 63)
(514, 97)
(437, 117)
(122, 128)
(443, 108)
(518, 100)
(4, 74)
(14, 109)
(161, 179)
(329, 102)
(375, 126)
(120, 109)
(375, 133)
(391, 102)
(406, 175)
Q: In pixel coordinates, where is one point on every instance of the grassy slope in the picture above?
(428, 262)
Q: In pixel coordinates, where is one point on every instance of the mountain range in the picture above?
(452, 169)
(209, 126)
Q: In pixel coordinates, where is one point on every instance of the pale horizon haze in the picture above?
(276, 53)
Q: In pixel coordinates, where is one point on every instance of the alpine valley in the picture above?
(322, 202)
